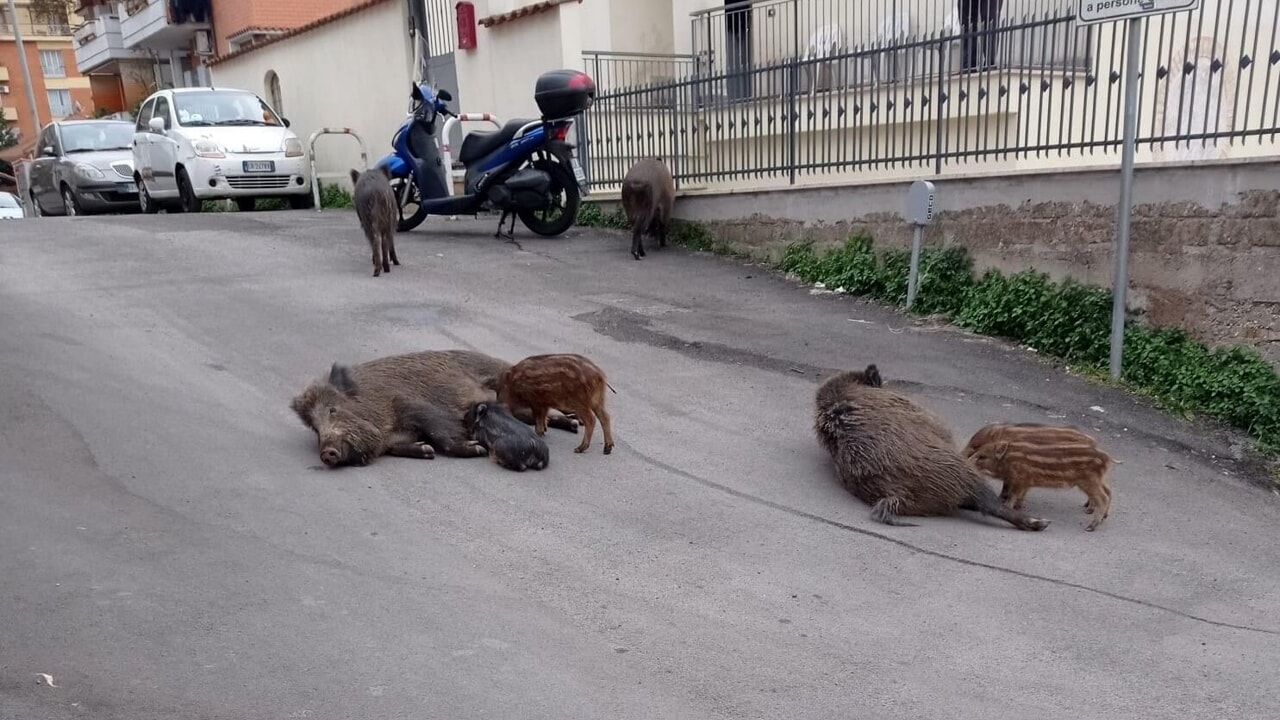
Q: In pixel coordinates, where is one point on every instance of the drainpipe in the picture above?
(26, 72)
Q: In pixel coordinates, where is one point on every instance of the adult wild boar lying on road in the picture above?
(897, 456)
(409, 405)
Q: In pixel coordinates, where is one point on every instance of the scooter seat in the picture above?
(478, 144)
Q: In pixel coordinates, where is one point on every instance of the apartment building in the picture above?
(60, 90)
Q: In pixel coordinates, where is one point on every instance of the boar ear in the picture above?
(340, 378)
(481, 409)
(872, 374)
(355, 176)
(1002, 447)
(301, 406)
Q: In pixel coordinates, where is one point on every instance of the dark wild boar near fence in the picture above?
(566, 381)
(648, 192)
(376, 208)
(409, 405)
(1025, 456)
(898, 457)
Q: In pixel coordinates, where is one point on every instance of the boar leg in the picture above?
(389, 241)
(588, 427)
(988, 503)
(662, 233)
(637, 242)
(1100, 499)
(561, 420)
(886, 511)
(377, 261)
(416, 450)
(607, 426)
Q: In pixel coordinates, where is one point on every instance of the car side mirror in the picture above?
(286, 122)
(47, 151)
(156, 124)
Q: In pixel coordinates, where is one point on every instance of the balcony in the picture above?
(99, 45)
(157, 24)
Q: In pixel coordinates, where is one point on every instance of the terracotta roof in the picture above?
(257, 29)
(359, 7)
(525, 11)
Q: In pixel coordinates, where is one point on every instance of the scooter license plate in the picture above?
(579, 175)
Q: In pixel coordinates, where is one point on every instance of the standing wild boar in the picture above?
(409, 405)
(898, 457)
(1028, 455)
(511, 443)
(565, 381)
(648, 192)
(376, 208)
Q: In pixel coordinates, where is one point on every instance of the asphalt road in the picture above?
(170, 545)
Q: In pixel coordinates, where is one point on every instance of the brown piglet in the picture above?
(1028, 455)
(565, 381)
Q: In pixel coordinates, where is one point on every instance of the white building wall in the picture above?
(322, 85)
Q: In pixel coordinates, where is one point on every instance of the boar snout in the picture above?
(330, 456)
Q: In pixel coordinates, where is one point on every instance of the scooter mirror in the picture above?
(444, 95)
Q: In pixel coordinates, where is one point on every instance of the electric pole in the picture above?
(26, 72)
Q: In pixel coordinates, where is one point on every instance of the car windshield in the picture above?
(7, 200)
(222, 108)
(94, 137)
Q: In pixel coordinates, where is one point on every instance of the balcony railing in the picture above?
(100, 41)
(163, 23)
(770, 100)
(31, 30)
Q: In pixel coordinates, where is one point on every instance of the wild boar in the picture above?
(409, 405)
(376, 208)
(648, 193)
(898, 457)
(1025, 456)
(511, 443)
(566, 381)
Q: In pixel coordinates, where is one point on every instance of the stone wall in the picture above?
(1205, 242)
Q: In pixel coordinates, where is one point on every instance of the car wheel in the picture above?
(36, 210)
(246, 204)
(187, 200)
(70, 205)
(145, 201)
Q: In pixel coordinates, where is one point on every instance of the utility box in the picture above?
(920, 203)
(466, 15)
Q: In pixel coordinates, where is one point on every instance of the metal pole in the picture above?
(1120, 283)
(26, 72)
(913, 274)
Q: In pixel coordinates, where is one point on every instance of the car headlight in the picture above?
(88, 172)
(208, 149)
(293, 147)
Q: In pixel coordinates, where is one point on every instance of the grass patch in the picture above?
(1067, 320)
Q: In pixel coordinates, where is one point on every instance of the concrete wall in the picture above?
(322, 87)
(1205, 247)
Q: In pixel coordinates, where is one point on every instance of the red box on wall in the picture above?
(466, 13)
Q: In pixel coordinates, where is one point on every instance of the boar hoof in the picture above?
(427, 452)
(1037, 524)
(608, 449)
(477, 449)
(580, 449)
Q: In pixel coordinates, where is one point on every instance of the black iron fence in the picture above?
(798, 90)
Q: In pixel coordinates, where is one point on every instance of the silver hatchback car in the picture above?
(83, 166)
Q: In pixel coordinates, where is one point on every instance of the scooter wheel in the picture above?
(408, 222)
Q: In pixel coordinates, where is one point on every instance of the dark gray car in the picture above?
(83, 166)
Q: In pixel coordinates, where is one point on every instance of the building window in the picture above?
(51, 64)
(59, 103)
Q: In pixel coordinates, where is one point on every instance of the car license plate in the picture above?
(578, 174)
(127, 188)
(259, 166)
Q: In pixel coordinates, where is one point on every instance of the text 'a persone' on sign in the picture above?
(1089, 12)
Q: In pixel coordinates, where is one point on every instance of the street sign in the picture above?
(1092, 12)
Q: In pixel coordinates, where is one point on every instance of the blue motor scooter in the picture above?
(526, 169)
